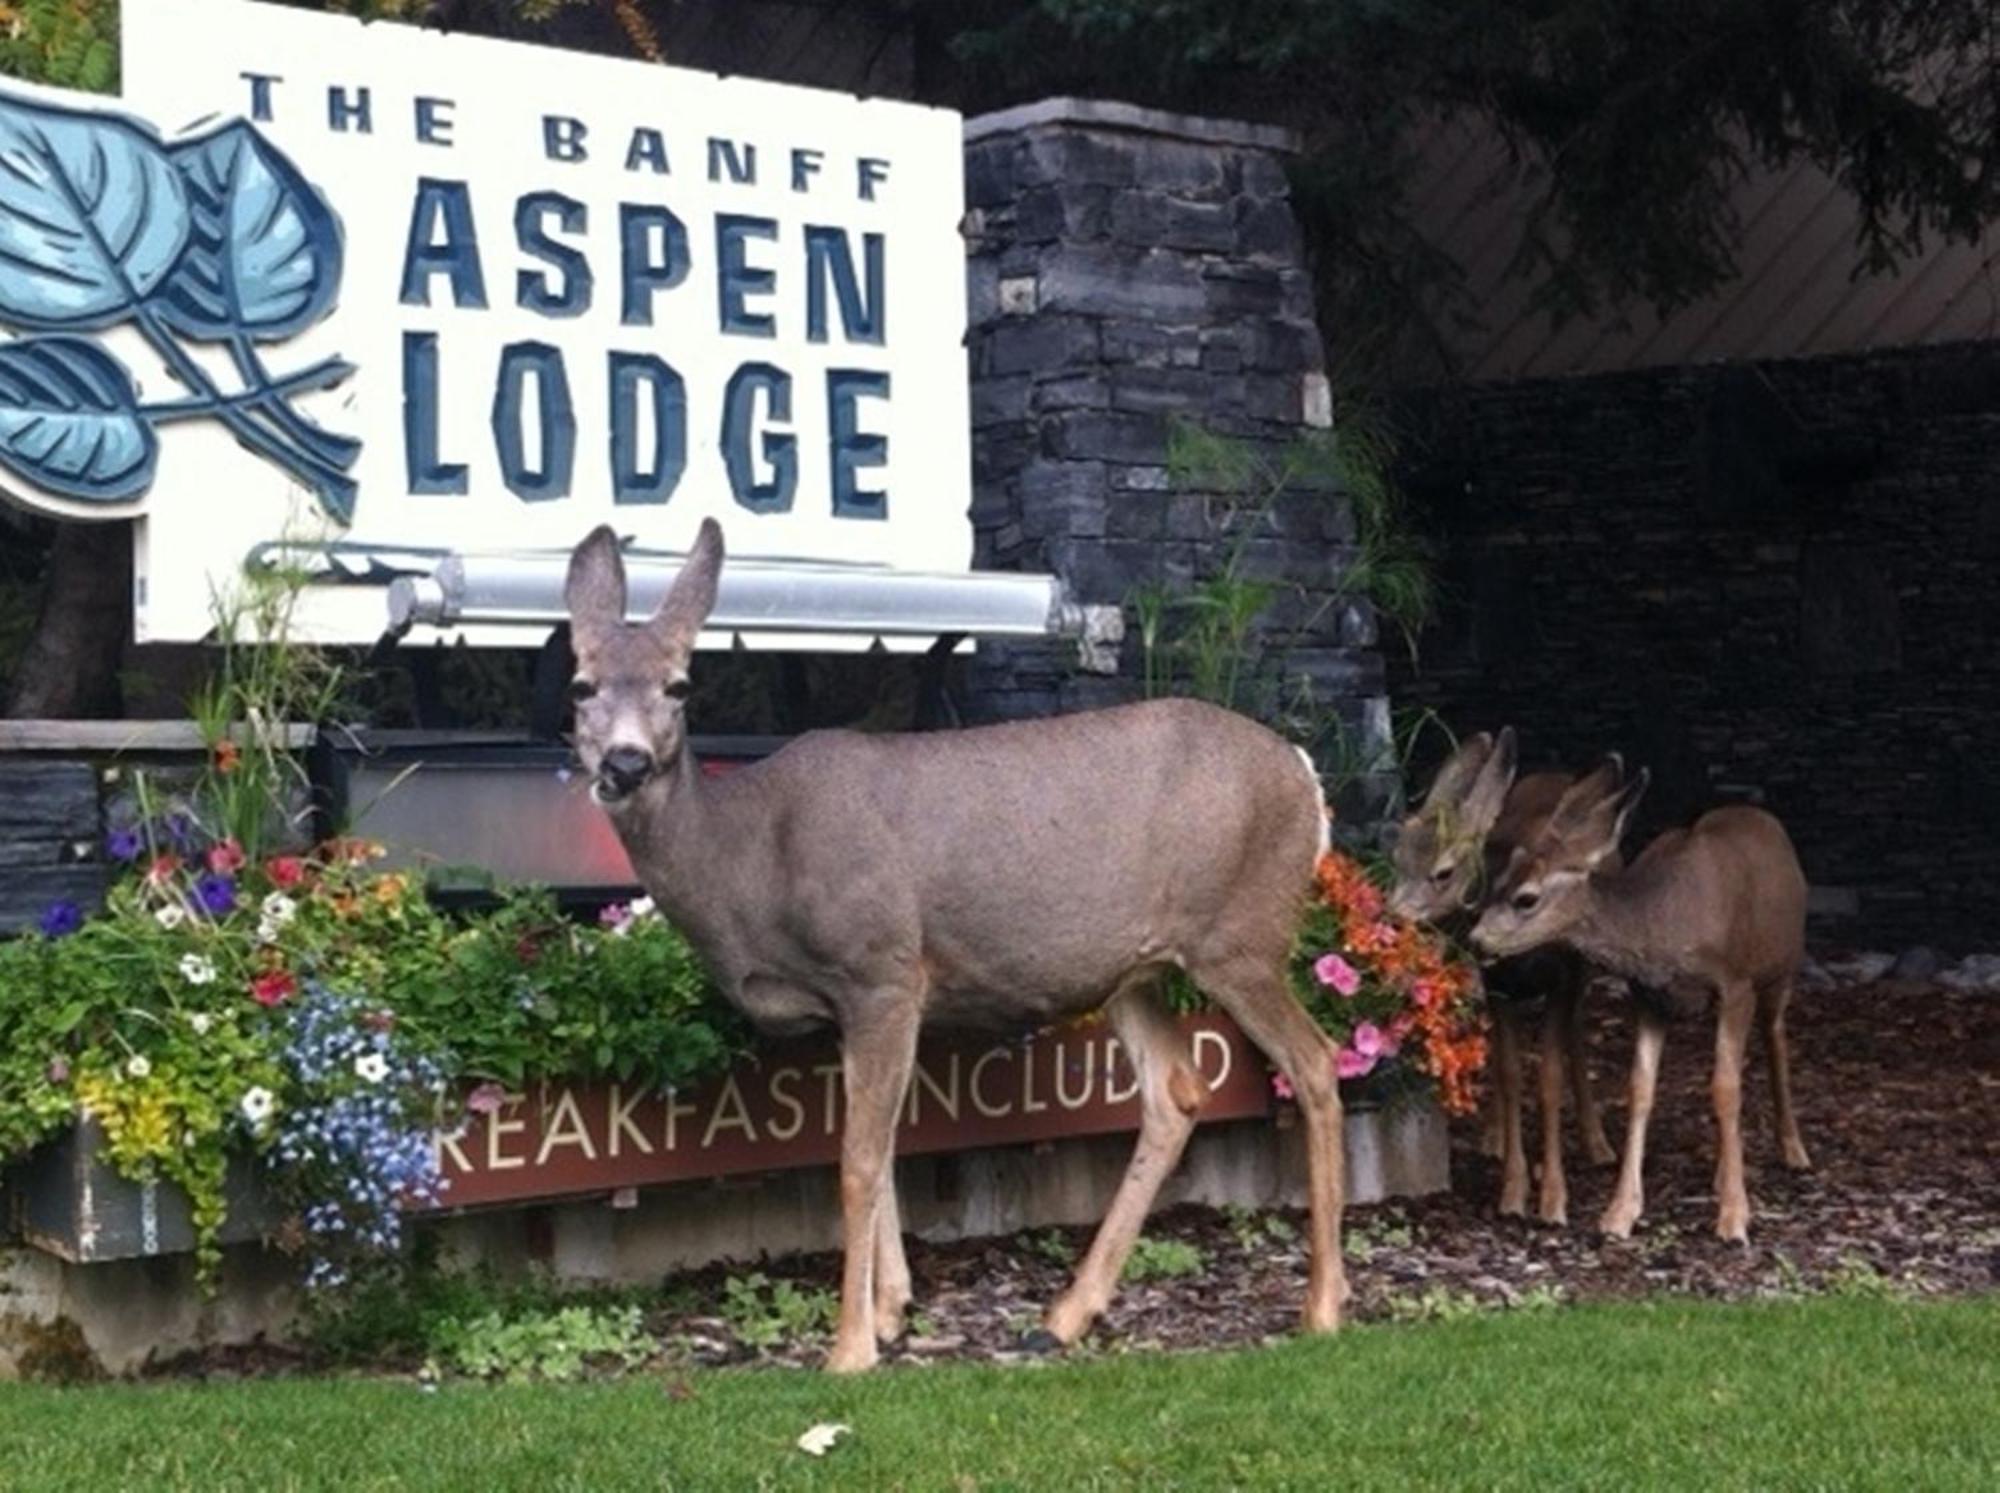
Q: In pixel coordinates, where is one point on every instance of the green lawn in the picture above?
(1827, 1393)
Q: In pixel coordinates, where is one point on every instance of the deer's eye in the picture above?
(677, 689)
(1442, 874)
(581, 690)
(1527, 901)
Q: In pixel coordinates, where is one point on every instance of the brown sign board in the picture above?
(783, 1109)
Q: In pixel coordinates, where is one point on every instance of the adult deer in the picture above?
(1006, 876)
(1449, 850)
(1715, 911)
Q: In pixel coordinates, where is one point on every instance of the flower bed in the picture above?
(327, 1017)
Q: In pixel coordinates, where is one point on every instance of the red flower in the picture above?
(162, 869)
(274, 988)
(227, 756)
(285, 871)
(226, 858)
(527, 948)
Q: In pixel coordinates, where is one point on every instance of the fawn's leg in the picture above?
(1629, 1197)
(1732, 1034)
(1553, 1205)
(1508, 1019)
(1589, 1118)
(1778, 1052)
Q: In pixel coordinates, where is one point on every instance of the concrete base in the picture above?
(115, 1315)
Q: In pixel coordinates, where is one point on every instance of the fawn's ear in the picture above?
(692, 596)
(1456, 778)
(1481, 808)
(1590, 820)
(595, 590)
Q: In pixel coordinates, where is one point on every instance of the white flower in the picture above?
(268, 931)
(643, 908)
(196, 970)
(373, 1067)
(171, 916)
(256, 1105)
(201, 1021)
(138, 1065)
(278, 909)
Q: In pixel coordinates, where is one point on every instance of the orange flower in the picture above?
(227, 756)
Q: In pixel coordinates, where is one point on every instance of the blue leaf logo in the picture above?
(263, 255)
(70, 421)
(92, 216)
(219, 239)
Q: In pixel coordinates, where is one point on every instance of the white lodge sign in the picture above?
(316, 281)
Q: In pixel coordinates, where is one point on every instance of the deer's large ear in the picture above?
(1489, 790)
(692, 596)
(1456, 778)
(595, 590)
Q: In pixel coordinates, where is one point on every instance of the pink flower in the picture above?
(1281, 1086)
(1368, 1041)
(1352, 1064)
(225, 858)
(1336, 973)
(615, 914)
(486, 1099)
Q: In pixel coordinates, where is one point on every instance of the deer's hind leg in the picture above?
(892, 1266)
(1171, 1090)
(1732, 1032)
(1257, 997)
(1771, 1004)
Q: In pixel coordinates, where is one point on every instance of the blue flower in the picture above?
(124, 844)
(216, 893)
(61, 919)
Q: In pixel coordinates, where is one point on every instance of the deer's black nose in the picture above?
(625, 768)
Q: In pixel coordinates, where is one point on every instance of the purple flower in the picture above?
(58, 1070)
(124, 844)
(216, 894)
(61, 919)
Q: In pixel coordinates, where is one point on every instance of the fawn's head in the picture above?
(1545, 886)
(631, 683)
(1439, 857)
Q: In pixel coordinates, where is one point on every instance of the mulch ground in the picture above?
(1899, 1101)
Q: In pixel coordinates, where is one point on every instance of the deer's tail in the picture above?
(1319, 798)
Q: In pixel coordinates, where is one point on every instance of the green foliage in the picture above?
(1253, 1230)
(1162, 1259)
(1054, 1246)
(1632, 124)
(64, 43)
(1365, 1238)
(764, 1313)
(555, 1345)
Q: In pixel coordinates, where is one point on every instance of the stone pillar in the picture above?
(1128, 268)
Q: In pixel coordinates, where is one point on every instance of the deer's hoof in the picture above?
(1554, 1211)
(1322, 1318)
(1599, 1151)
(1733, 1227)
(1617, 1222)
(1796, 1158)
(1041, 1342)
(849, 1358)
(1513, 1202)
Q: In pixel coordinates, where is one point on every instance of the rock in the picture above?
(1918, 964)
(1977, 974)
(1860, 969)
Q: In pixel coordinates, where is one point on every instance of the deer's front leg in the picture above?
(1554, 1204)
(875, 1060)
(1589, 1119)
(1507, 1021)
(1630, 1197)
